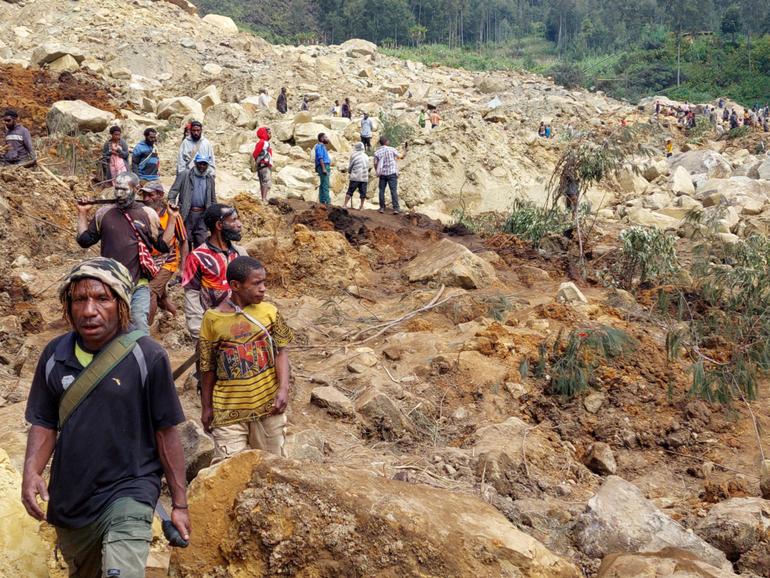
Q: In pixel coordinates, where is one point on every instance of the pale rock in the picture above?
(10, 325)
(212, 69)
(481, 369)
(688, 203)
(333, 400)
(452, 264)
(490, 85)
(198, 447)
(728, 238)
(384, 414)
(328, 66)
(631, 182)
(121, 73)
(283, 130)
(221, 117)
(367, 356)
(304, 116)
(337, 143)
(763, 170)
(49, 52)
(64, 64)
(209, 97)
(224, 24)
(703, 161)
(764, 479)
(21, 261)
(594, 401)
(358, 47)
(306, 134)
(656, 201)
(668, 563)
(179, 106)
(569, 293)
(601, 460)
(618, 518)
(678, 213)
(736, 525)
(273, 512)
(712, 199)
(395, 88)
(645, 217)
(73, 116)
(24, 552)
(751, 205)
(295, 178)
(681, 182)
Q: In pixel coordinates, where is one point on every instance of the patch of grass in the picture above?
(531, 223)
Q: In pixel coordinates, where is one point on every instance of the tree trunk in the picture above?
(678, 56)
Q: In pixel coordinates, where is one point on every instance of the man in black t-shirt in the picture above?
(108, 457)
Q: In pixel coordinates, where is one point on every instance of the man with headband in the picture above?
(103, 402)
(128, 232)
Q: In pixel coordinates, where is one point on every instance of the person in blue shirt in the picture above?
(323, 166)
(145, 161)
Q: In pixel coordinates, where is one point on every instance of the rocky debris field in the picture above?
(426, 437)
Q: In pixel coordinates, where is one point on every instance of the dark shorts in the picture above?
(159, 283)
(360, 185)
(367, 140)
(115, 544)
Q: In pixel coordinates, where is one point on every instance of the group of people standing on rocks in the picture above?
(103, 400)
(720, 116)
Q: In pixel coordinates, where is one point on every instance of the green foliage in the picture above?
(569, 75)
(573, 363)
(646, 254)
(531, 223)
(397, 133)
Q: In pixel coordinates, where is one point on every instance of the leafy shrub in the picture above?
(530, 222)
(567, 74)
(573, 364)
(397, 133)
(647, 254)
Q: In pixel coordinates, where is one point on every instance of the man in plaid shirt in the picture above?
(387, 169)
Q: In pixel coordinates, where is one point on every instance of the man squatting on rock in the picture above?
(110, 453)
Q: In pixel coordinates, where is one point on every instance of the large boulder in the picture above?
(764, 170)
(508, 448)
(489, 85)
(306, 134)
(73, 116)
(224, 24)
(66, 63)
(736, 525)
(703, 161)
(647, 218)
(209, 97)
(358, 47)
(226, 115)
(618, 518)
(668, 563)
(50, 51)
(631, 182)
(681, 182)
(295, 178)
(258, 515)
(198, 447)
(179, 106)
(24, 553)
(283, 130)
(452, 264)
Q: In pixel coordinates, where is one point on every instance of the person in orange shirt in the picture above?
(168, 263)
(435, 118)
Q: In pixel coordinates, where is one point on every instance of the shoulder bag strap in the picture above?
(194, 152)
(255, 322)
(105, 361)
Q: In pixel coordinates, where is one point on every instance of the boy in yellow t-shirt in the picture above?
(245, 366)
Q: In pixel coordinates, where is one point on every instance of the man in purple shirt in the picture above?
(387, 169)
(18, 142)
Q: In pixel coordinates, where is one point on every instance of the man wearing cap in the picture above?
(193, 192)
(128, 232)
(112, 447)
(18, 142)
(193, 145)
(168, 263)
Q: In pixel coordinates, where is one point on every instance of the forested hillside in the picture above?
(688, 48)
